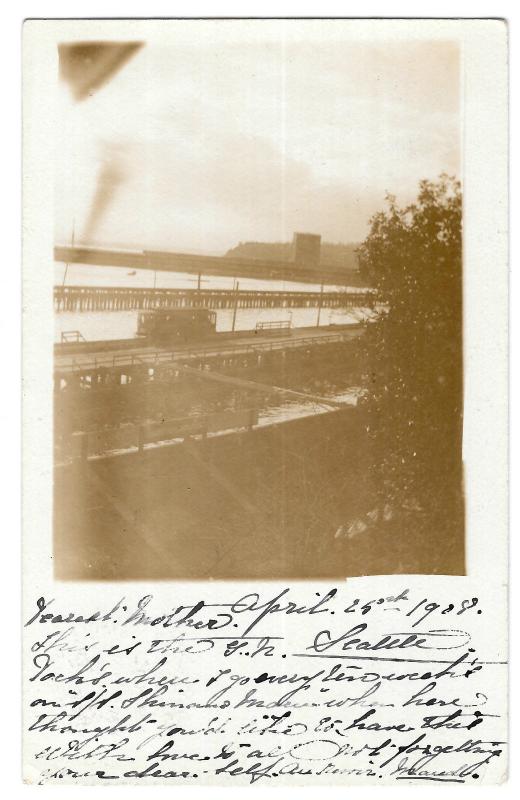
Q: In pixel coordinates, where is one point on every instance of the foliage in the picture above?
(413, 256)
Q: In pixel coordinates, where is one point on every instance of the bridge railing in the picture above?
(72, 336)
(274, 326)
(162, 357)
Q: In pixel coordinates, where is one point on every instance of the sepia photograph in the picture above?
(258, 303)
(265, 400)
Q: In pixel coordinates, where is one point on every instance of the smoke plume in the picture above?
(113, 171)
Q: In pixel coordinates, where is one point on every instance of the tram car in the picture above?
(176, 325)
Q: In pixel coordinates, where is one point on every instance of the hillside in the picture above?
(332, 255)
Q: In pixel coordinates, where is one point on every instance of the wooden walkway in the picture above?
(99, 368)
(100, 360)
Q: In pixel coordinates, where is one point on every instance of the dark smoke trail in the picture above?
(111, 175)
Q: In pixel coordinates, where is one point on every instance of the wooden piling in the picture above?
(118, 298)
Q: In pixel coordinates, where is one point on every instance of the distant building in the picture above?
(306, 249)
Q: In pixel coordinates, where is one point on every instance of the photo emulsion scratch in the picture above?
(258, 310)
(265, 402)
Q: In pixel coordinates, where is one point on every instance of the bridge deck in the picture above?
(248, 343)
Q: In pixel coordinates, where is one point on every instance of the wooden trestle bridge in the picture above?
(116, 298)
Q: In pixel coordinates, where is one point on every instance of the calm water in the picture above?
(88, 275)
(122, 324)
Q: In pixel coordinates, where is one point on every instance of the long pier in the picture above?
(118, 298)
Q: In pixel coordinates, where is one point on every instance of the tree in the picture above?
(413, 257)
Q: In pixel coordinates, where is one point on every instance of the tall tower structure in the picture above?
(306, 249)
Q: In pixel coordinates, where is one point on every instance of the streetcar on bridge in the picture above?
(183, 325)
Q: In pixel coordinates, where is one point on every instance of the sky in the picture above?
(198, 143)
